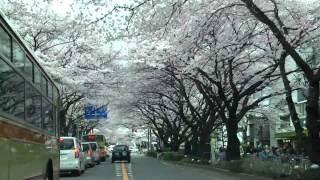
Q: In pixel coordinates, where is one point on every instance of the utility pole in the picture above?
(148, 139)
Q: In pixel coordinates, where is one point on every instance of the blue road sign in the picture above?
(89, 111)
(93, 112)
(101, 112)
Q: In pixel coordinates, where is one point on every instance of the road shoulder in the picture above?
(215, 169)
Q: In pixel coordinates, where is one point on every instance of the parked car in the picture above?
(121, 152)
(72, 159)
(95, 152)
(90, 160)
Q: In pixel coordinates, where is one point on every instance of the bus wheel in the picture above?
(49, 173)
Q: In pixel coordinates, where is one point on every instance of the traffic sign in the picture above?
(93, 112)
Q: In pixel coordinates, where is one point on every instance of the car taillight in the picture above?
(76, 152)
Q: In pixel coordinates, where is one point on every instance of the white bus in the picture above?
(29, 103)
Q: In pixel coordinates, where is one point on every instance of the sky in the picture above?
(61, 6)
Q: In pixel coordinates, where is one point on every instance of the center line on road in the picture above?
(124, 172)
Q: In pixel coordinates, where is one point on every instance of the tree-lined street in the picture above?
(229, 83)
(144, 168)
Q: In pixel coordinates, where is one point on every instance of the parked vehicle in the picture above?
(72, 159)
(90, 160)
(101, 141)
(121, 152)
(95, 152)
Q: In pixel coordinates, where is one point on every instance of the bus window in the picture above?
(55, 95)
(33, 106)
(55, 120)
(44, 89)
(93, 146)
(50, 91)
(37, 77)
(28, 69)
(11, 91)
(85, 147)
(5, 44)
(18, 56)
(47, 115)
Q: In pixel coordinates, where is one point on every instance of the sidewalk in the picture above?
(221, 170)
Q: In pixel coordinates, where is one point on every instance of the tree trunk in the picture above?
(187, 148)
(63, 122)
(194, 145)
(166, 145)
(292, 109)
(204, 148)
(174, 146)
(233, 147)
(313, 123)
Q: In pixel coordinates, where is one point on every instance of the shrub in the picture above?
(234, 166)
(152, 154)
(186, 160)
(171, 156)
(257, 166)
(312, 174)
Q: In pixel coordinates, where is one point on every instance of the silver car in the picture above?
(72, 159)
(95, 151)
(88, 152)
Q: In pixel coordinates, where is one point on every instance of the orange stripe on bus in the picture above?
(39, 177)
(12, 131)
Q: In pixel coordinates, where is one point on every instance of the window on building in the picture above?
(302, 108)
(11, 91)
(5, 44)
(33, 106)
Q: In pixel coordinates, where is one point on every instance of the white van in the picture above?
(72, 159)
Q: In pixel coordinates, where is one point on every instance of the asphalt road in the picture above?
(145, 168)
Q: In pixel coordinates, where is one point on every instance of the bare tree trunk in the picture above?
(313, 123)
(63, 122)
(204, 148)
(292, 109)
(233, 147)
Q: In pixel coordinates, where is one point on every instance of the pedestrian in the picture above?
(159, 152)
(222, 154)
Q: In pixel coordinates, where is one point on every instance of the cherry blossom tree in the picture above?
(285, 29)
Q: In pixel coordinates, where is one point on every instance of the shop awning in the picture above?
(288, 134)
